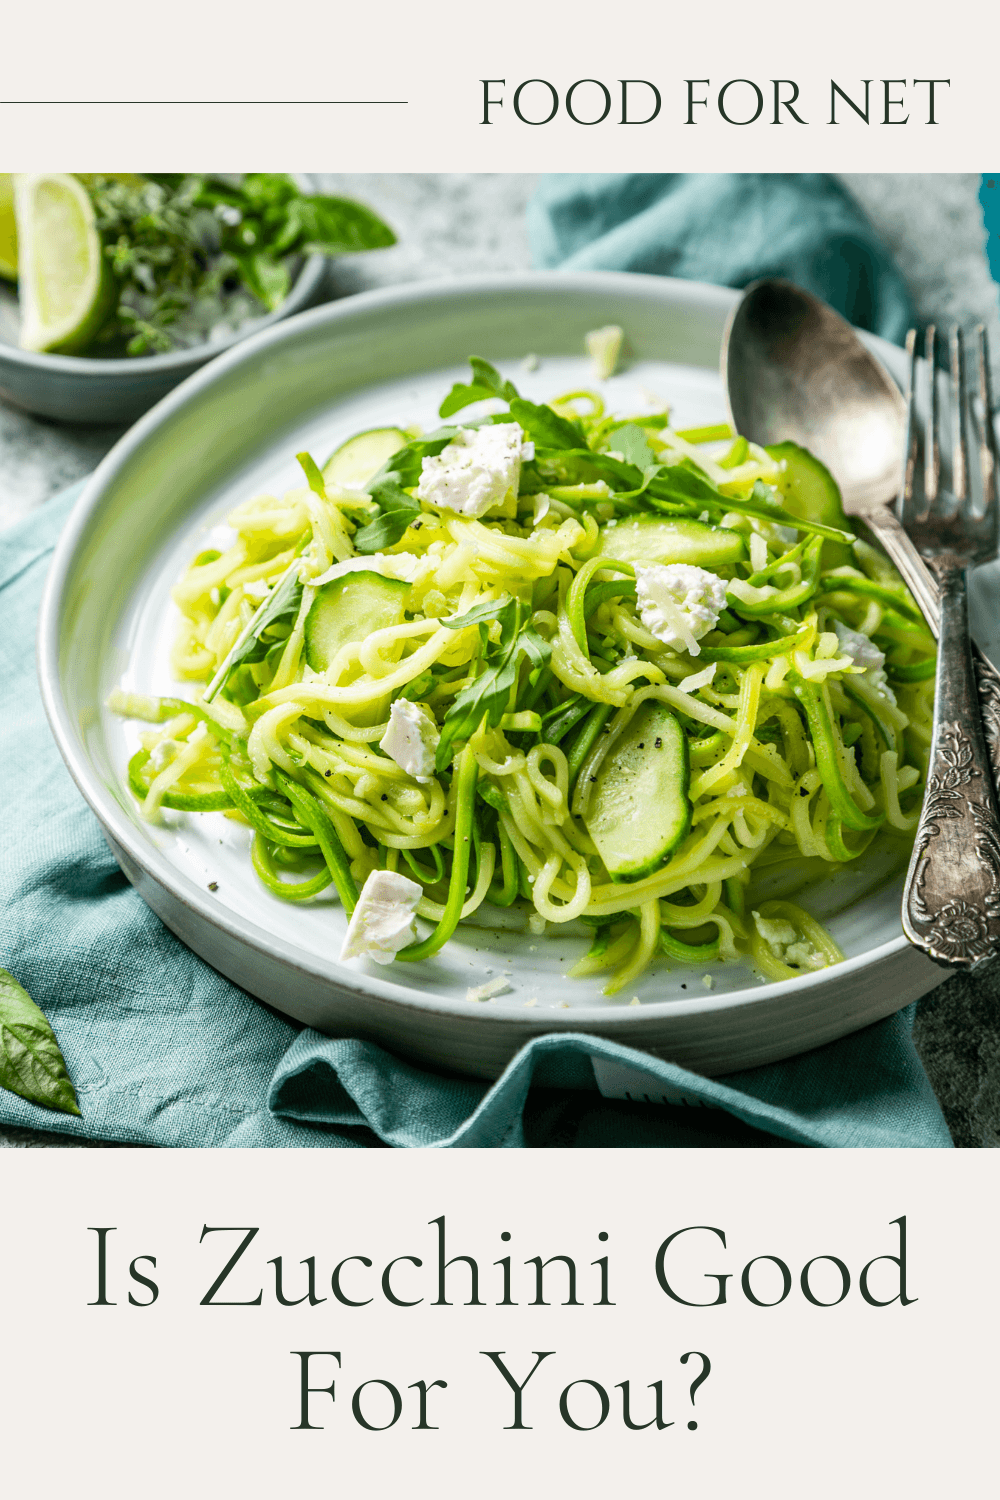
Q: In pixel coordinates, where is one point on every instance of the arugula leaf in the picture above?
(282, 603)
(399, 511)
(493, 609)
(685, 482)
(620, 475)
(488, 695)
(546, 427)
(487, 383)
(31, 1063)
(630, 442)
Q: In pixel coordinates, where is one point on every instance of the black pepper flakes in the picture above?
(593, 778)
(385, 796)
(327, 773)
(659, 743)
(213, 885)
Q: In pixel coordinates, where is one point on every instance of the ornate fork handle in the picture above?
(896, 543)
(957, 847)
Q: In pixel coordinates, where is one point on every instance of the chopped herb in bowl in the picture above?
(122, 265)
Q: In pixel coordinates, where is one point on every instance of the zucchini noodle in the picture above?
(520, 639)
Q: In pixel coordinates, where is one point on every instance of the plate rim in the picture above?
(156, 867)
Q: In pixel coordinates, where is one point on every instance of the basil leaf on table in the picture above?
(30, 1061)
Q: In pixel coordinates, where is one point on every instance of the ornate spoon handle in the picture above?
(951, 903)
(919, 579)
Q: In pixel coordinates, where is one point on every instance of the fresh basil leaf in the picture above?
(263, 190)
(282, 603)
(546, 427)
(630, 442)
(267, 278)
(335, 226)
(31, 1063)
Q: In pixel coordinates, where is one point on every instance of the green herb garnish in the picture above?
(177, 243)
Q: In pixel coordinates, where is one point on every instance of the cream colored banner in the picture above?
(776, 1324)
(522, 87)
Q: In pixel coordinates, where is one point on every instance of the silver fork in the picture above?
(951, 903)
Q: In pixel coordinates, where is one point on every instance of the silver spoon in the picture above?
(794, 370)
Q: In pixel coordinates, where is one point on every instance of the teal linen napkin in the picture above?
(164, 1051)
(725, 227)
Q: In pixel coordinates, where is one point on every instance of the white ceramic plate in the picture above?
(231, 432)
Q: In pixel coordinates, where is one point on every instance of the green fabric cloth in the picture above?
(725, 227)
(164, 1051)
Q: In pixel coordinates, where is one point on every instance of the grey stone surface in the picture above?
(459, 223)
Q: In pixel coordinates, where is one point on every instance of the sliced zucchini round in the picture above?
(808, 490)
(640, 809)
(651, 539)
(355, 461)
(350, 608)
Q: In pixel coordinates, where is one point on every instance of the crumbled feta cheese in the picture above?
(698, 679)
(858, 646)
(532, 1001)
(488, 990)
(804, 955)
(708, 981)
(781, 939)
(257, 588)
(401, 565)
(411, 740)
(635, 1000)
(864, 653)
(776, 933)
(604, 345)
(758, 552)
(679, 603)
(163, 753)
(382, 922)
(540, 508)
(478, 469)
(530, 362)
(536, 923)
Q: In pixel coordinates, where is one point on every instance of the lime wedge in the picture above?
(65, 286)
(8, 229)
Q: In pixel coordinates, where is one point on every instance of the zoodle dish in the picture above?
(581, 664)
